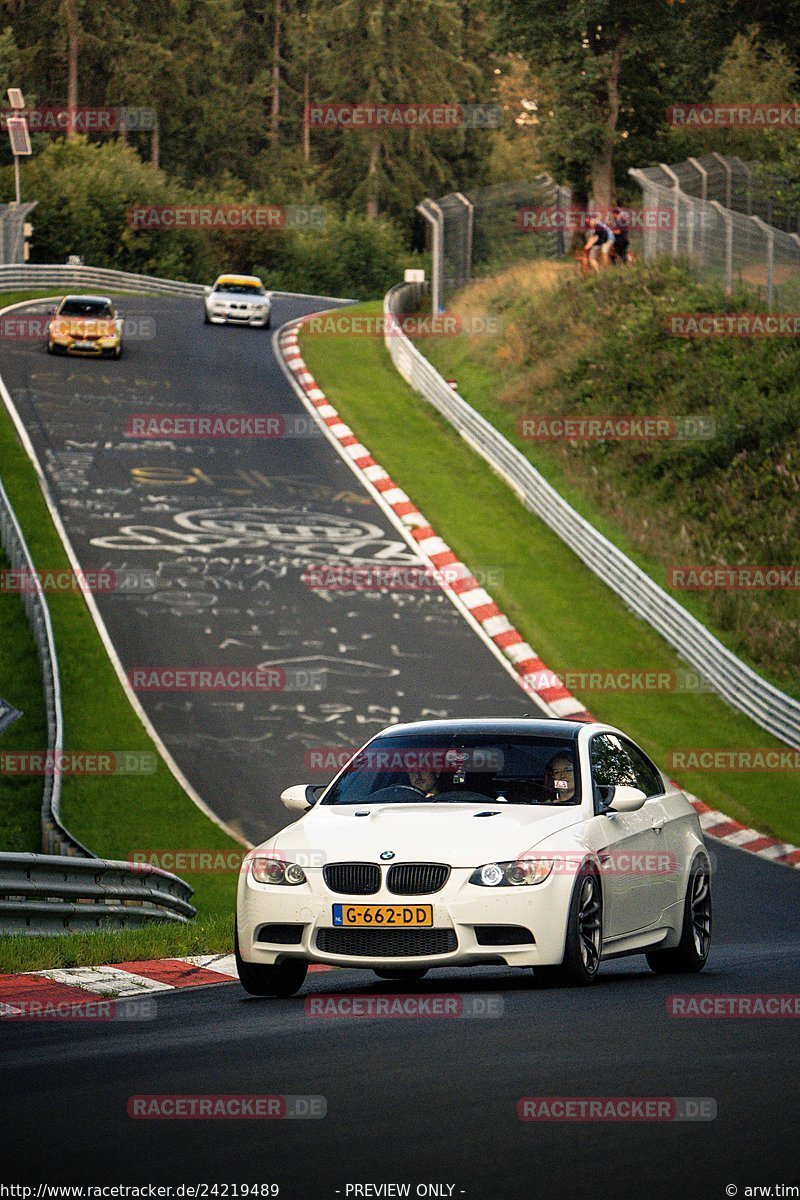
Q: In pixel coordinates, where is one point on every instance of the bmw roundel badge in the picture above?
(387, 854)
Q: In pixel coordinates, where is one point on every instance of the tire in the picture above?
(118, 353)
(691, 953)
(281, 980)
(409, 976)
(584, 945)
(205, 318)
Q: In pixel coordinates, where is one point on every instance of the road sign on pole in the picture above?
(18, 135)
(8, 714)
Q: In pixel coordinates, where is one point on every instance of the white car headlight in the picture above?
(277, 870)
(519, 873)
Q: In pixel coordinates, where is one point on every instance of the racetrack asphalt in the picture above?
(229, 533)
(434, 1099)
(414, 1100)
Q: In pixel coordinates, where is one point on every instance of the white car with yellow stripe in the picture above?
(238, 300)
(550, 844)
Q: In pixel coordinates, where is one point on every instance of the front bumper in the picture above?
(460, 908)
(96, 350)
(254, 320)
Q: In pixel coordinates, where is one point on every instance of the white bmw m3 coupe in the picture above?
(549, 844)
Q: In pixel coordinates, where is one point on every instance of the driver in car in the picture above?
(426, 782)
(559, 778)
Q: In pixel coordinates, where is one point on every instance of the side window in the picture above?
(610, 762)
(647, 777)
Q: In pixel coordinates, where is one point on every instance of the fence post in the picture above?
(468, 241)
(728, 177)
(703, 173)
(727, 219)
(770, 232)
(749, 192)
(676, 187)
(430, 210)
(698, 166)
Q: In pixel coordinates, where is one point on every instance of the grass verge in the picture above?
(205, 935)
(115, 814)
(600, 347)
(570, 618)
(20, 685)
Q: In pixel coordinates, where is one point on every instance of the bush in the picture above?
(86, 190)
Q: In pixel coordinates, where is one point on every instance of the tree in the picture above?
(754, 72)
(381, 51)
(600, 64)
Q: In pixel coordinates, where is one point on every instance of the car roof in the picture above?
(88, 299)
(519, 726)
(244, 279)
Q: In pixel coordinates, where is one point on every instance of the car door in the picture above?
(634, 886)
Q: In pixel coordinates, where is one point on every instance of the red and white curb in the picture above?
(532, 674)
(70, 990)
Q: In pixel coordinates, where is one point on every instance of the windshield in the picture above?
(240, 289)
(85, 308)
(441, 768)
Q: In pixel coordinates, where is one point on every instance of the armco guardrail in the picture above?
(45, 275)
(68, 887)
(24, 276)
(743, 688)
(45, 894)
(56, 839)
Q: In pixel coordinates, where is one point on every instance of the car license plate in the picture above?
(84, 345)
(398, 915)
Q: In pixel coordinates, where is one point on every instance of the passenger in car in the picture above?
(559, 777)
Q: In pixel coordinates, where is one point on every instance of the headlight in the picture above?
(277, 870)
(520, 872)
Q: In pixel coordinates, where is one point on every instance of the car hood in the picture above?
(450, 833)
(238, 298)
(86, 327)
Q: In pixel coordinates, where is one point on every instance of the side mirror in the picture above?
(622, 799)
(299, 797)
(207, 291)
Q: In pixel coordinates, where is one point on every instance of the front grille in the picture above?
(353, 879)
(503, 935)
(387, 943)
(282, 935)
(417, 879)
